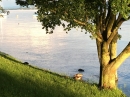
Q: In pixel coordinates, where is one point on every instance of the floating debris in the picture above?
(80, 70)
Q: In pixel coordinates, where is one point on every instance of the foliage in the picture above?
(24, 2)
(121, 6)
(19, 80)
(1, 11)
(78, 13)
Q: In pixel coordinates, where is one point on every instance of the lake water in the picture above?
(23, 37)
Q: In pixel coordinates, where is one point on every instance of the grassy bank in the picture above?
(19, 80)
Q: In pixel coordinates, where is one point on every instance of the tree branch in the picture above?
(118, 19)
(79, 22)
(104, 11)
(120, 22)
(121, 57)
(110, 24)
(115, 30)
(108, 15)
(113, 34)
(99, 36)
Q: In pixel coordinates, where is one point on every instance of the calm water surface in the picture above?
(23, 37)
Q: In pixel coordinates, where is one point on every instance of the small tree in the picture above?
(3, 11)
(101, 18)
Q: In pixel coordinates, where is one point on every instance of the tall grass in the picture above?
(19, 80)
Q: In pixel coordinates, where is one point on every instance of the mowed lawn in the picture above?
(21, 80)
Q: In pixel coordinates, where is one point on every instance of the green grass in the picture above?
(19, 80)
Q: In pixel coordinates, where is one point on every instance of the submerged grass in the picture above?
(19, 80)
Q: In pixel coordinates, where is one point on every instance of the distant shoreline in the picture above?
(23, 9)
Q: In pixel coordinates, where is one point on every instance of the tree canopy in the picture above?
(85, 14)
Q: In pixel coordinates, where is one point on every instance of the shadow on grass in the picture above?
(25, 87)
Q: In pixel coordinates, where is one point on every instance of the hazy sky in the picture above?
(9, 4)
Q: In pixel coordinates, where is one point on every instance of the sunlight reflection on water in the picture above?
(23, 37)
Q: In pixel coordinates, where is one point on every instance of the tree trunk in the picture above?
(109, 67)
(108, 75)
(99, 57)
(113, 52)
(107, 72)
(108, 78)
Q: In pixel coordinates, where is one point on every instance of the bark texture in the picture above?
(110, 64)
